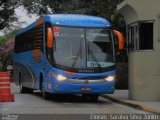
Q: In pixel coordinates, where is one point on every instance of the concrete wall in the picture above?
(144, 76)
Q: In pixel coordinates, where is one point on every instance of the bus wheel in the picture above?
(24, 89)
(45, 95)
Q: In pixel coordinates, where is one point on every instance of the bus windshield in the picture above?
(87, 48)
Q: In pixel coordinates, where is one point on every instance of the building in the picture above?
(143, 39)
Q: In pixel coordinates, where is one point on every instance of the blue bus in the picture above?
(66, 54)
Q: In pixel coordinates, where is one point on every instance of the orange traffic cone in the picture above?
(5, 92)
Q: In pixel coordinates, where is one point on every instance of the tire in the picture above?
(24, 89)
(44, 94)
(91, 97)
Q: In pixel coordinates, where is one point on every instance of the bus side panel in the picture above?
(26, 69)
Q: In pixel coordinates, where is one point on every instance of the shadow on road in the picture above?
(70, 98)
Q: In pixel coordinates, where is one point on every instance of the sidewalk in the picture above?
(121, 96)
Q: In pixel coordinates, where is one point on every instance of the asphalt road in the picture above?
(66, 104)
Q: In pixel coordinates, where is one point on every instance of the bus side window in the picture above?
(49, 51)
(38, 37)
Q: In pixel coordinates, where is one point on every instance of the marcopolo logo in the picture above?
(104, 22)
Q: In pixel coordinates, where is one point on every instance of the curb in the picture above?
(132, 104)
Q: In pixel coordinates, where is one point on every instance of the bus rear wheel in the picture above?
(24, 89)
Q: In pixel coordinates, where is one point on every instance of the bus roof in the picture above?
(73, 20)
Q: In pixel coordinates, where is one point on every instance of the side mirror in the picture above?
(49, 38)
(120, 39)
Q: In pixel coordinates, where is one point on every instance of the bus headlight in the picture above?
(60, 77)
(110, 78)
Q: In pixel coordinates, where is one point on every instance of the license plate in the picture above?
(85, 89)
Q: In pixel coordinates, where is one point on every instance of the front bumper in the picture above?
(73, 86)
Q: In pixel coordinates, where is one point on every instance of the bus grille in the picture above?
(90, 78)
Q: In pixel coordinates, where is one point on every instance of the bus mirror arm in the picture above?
(49, 38)
(120, 37)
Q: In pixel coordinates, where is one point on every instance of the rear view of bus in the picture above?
(76, 55)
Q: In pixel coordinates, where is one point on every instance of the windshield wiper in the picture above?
(92, 55)
(95, 59)
(76, 58)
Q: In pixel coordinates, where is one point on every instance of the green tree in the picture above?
(43, 7)
(6, 48)
(7, 13)
(4, 38)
